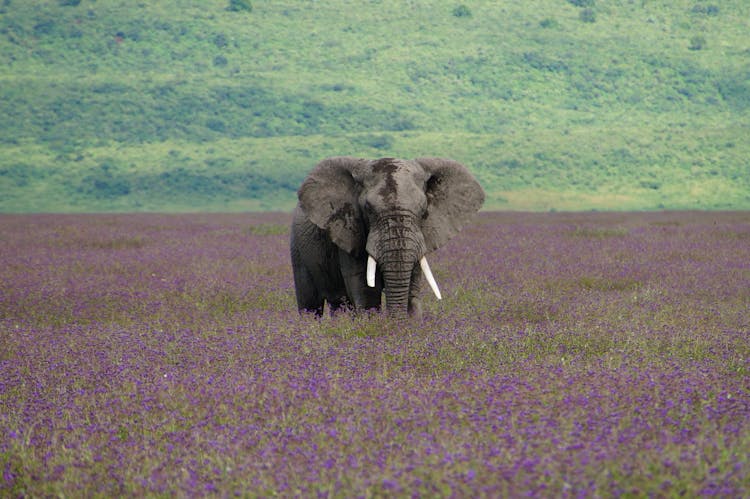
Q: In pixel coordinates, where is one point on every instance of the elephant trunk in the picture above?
(397, 244)
(397, 272)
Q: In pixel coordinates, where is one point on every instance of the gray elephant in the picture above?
(363, 227)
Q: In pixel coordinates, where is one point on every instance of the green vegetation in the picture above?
(462, 11)
(239, 5)
(554, 104)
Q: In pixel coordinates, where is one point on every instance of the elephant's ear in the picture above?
(453, 197)
(329, 198)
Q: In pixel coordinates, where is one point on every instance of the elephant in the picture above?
(362, 228)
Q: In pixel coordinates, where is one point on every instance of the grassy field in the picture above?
(554, 104)
(572, 355)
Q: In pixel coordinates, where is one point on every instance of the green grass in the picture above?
(173, 107)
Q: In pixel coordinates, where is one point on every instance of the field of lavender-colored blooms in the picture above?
(572, 354)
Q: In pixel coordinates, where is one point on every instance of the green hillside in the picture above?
(225, 105)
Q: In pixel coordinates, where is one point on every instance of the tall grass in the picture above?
(572, 354)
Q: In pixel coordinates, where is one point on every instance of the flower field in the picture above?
(572, 355)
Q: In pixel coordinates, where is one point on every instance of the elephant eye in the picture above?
(432, 183)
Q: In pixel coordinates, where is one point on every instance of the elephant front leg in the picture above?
(361, 296)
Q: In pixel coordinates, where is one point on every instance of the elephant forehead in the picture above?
(396, 177)
(385, 165)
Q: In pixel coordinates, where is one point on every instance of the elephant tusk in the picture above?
(430, 278)
(371, 271)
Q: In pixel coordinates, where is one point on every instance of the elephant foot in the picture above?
(415, 309)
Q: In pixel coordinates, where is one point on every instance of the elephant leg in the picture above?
(415, 302)
(308, 296)
(337, 304)
(361, 296)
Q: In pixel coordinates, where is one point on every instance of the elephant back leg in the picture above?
(309, 298)
(306, 254)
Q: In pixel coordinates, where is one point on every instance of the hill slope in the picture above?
(554, 104)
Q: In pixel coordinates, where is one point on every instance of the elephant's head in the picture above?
(395, 211)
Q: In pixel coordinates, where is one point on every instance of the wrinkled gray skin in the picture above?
(395, 210)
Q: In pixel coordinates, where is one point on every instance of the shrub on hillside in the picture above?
(239, 5)
(462, 11)
(382, 142)
(697, 42)
(709, 10)
(588, 15)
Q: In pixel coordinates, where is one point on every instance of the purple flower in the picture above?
(572, 354)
